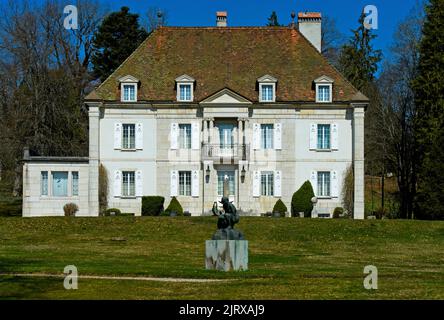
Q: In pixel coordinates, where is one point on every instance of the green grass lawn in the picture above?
(289, 258)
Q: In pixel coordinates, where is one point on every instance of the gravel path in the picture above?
(97, 277)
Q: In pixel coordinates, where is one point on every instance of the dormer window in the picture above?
(128, 89)
(185, 88)
(324, 89)
(267, 88)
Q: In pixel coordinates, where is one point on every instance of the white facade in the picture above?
(285, 133)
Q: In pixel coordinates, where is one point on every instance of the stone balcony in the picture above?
(225, 154)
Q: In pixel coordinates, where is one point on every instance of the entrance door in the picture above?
(221, 175)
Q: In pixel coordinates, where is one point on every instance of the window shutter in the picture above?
(277, 136)
(334, 136)
(195, 136)
(314, 182)
(117, 183)
(139, 136)
(174, 183)
(334, 184)
(139, 183)
(256, 136)
(313, 136)
(195, 183)
(256, 183)
(174, 135)
(117, 135)
(277, 183)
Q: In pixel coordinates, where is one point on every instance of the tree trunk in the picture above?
(17, 190)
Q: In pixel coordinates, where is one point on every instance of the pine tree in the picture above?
(358, 61)
(117, 37)
(273, 20)
(428, 88)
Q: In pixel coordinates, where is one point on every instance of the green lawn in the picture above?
(289, 258)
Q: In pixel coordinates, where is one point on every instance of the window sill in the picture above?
(323, 150)
(128, 150)
(325, 198)
(59, 198)
(127, 197)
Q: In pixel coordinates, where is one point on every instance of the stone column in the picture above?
(211, 133)
(239, 131)
(358, 160)
(205, 131)
(93, 185)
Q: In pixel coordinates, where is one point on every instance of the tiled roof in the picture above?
(226, 57)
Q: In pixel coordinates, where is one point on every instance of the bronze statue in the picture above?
(226, 221)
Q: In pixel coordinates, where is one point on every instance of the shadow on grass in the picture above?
(12, 288)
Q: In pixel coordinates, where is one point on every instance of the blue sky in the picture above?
(256, 12)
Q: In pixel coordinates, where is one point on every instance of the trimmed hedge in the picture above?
(110, 210)
(152, 205)
(174, 206)
(338, 212)
(301, 200)
(70, 209)
(12, 208)
(280, 207)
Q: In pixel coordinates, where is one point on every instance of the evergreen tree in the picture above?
(273, 20)
(428, 89)
(117, 37)
(358, 61)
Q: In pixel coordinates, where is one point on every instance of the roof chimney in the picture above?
(310, 27)
(221, 18)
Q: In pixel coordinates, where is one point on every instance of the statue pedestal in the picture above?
(226, 255)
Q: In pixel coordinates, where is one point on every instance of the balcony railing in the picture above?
(226, 153)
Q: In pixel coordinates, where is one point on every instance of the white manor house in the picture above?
(193, 105)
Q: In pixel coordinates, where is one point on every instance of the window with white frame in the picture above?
(185, 92)
(128, 136)
(267, 183)
(267, 93)
(323, 137)
(75, 183)
(323, 184)
(267, 136)
(185, 136)
(128, 184)
(267, 88)
(185, 183)
(44, 183)
(129, 92)
(324, 94)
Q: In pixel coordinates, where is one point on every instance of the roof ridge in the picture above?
(225, 28)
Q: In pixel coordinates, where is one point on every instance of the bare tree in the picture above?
(155, 17)
(331, 39)
(43, 73)
(394, 133)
